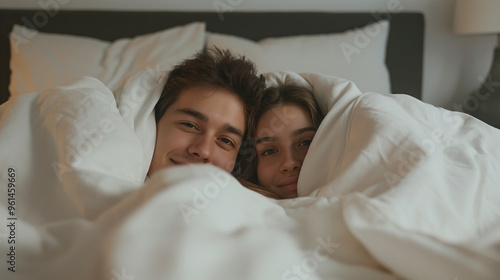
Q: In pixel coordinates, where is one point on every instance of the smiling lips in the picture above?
(180, 163)
(175, 162)
(290, 184)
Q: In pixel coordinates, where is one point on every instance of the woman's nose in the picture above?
(290, 162)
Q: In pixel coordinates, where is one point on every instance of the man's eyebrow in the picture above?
(303, 130)
(193, 113)
(231, 129)
(204, 118)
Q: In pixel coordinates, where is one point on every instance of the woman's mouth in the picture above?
(290, 184)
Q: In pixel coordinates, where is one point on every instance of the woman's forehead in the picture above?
(282, 121)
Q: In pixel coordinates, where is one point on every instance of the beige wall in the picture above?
(453, 65)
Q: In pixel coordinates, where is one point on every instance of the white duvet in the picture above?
(391, 188)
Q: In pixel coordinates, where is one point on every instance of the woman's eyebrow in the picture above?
(294, 133)
(265, 139)
(303, 130)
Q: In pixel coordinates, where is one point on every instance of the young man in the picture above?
(204, 111)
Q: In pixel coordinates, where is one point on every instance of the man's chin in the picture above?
(171, 163)
(154, 169)
(228, 167)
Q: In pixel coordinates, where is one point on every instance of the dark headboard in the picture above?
(404, 51)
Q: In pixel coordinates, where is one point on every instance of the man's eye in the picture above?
(188, 125)
(227, 141)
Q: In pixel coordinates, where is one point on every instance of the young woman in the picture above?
(283, 130)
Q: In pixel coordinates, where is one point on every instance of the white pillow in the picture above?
(357, 55)
(42, 60)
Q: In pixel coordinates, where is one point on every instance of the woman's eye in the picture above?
(305, 143)
(269, 151)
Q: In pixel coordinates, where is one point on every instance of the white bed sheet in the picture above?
(81, 152)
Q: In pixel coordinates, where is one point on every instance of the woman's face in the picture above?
(283, 136)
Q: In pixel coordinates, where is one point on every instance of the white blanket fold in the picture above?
(391, 188)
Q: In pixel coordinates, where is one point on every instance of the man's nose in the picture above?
(202, 148)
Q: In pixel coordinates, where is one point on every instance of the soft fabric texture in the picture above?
(357, 55)
(43, 60)
(366, 211)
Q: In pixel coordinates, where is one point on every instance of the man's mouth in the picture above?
(176, 162)
(184, 162)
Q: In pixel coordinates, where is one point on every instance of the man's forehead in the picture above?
(212, 105)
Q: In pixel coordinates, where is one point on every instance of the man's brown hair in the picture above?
(218, 69)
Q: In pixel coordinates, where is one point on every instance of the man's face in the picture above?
(204, 125)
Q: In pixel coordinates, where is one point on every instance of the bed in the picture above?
(406, 33)
(391, 187)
